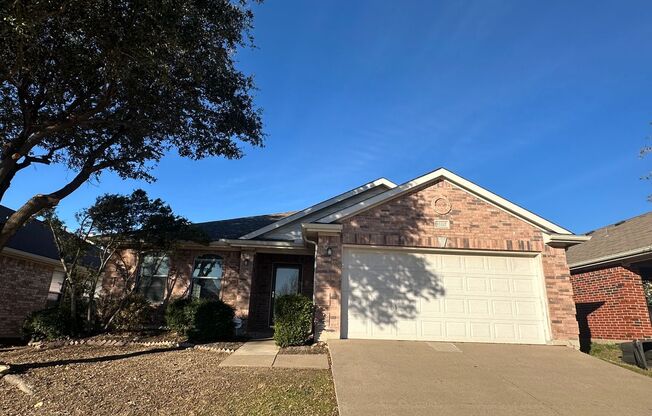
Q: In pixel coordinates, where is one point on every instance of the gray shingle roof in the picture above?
(622, 237)
(35, 237)
(237, 227)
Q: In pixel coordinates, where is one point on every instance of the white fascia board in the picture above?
(623, 255)
(339, 198)
(442, 173)
(564, 240)
(30, 256)
(321, 228)
(262, 243)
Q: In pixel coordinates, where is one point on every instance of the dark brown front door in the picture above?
(285, 281)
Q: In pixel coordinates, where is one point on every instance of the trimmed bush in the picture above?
(47, 324)
(293, 315)
(178, 315)
(135, 314)
(201, 320)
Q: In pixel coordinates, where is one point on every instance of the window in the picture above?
(207, 277)
(154, 272)
(56, 286)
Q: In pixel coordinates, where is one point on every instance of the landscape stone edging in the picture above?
(120, 343)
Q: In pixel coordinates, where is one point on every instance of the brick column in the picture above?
(560, 297)
(247, 258)
(328, 287)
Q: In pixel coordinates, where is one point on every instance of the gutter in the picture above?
(30, 256)
(624, 255)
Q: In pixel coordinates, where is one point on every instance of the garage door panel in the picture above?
(481, 330)
(456, 330)
(426, 296)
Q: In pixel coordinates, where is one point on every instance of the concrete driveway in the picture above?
(422, 378)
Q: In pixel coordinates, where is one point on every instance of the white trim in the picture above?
(442, 173)
(8, 251)
(339, 198)
(263, 243)
(413, 249)
(623, 255)
(321, 228)
(564, 240)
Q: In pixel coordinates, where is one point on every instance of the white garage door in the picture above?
(442, 297)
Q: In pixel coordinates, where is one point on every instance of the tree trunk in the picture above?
(73, 307)
(38, 203)
(8, 170)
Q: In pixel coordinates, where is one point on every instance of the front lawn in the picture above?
(613, 354)
(133, 380)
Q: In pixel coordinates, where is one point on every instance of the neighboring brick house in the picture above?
(608, 273)
(30, 275)
(436, 258)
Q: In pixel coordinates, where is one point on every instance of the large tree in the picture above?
(113, 85)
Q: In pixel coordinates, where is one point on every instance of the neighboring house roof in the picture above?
(614, 242)
(381, 182)
(237, 227)
(469, 186)
(33, 238)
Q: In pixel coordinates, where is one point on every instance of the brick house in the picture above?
(30, 275)
(608, 273)
(436, 258)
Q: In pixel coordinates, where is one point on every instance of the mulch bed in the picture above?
(316, 348)
(141, 380)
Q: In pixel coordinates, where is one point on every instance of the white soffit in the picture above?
(469, 186)
(339, 198)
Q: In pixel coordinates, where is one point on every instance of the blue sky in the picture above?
(544, 103)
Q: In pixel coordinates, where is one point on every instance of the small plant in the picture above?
(201, 320)
(47, 324)
(293, 315)
(129, 313)
(135, 313)
(178, 315)
(647, 289)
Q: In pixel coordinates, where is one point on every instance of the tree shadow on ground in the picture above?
(22, 368)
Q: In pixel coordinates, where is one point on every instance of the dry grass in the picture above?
(81, 380)
(612, 353)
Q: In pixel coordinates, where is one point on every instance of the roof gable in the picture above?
(469, 186)
(378, 183)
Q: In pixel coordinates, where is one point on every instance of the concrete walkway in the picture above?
(421, 378)
(264, 353)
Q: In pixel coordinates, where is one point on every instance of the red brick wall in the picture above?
(474, 224)
(24, 287)
(328, 287)
(611, 304)
(410, 221)
(181, 264)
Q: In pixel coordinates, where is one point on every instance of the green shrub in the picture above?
(136, 313)
(201, 320)
(47, 324)
(293, 315)
(177, 315)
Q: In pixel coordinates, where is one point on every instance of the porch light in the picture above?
(329, 251)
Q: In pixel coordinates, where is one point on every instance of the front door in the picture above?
(286, 281)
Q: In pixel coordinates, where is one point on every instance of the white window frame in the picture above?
(207, 256)
(159, 259)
